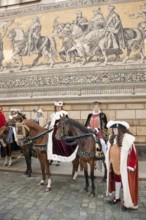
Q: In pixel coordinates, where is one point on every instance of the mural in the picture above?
(92, 36)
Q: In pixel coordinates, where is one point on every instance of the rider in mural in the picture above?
(4, 27)
(81, 21)
(115, 40)
(98, 20)
(34, 35)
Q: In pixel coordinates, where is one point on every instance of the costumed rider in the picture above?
(122, 165)
(57, 150)
(40, 118)
(12, 136)
(97, 121)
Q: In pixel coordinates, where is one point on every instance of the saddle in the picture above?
(99, 155)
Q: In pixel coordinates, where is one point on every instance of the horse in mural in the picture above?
(71, 129)
(92, 43)
(19, 39)
(39, 136)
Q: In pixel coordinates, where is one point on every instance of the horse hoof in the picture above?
(4, 165)
(40, 184)
(86, 190)
(48, 189)
(29, 174)
(103, 180)
(92, 195)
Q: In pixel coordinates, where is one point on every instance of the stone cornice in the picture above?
(39, 8)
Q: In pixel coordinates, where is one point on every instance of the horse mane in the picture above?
(22, 115)
(32, 124)
(78, 125)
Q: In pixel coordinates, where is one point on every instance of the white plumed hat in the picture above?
(118, 124)
(60, 103)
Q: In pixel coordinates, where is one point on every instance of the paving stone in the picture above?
(22, 199)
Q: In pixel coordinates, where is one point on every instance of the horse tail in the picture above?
(136, 41)
(53, 47)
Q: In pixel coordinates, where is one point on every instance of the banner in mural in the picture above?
(95, 35)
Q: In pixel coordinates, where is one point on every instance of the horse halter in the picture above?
(21, 129)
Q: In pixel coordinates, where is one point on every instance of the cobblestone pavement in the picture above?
(21, 198)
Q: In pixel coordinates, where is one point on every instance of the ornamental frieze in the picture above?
(79, 79)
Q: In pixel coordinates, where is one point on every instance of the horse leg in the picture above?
(75, 164)
(9, 155)
(37, 59)
(105, 58)
(6, 157)
(141, 54)
(52, 61)
(39, 155)
(105, 171)
(47, 168)
(85, 168)
(128, 54)
(27, 154)
(92, 176)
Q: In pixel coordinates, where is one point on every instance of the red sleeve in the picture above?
(132, 158)
(2, 120)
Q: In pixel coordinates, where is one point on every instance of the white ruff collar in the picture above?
(96, 113)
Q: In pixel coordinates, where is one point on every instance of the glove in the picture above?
(130, 168)
(96, 129)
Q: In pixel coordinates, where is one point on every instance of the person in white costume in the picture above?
(56, 149)
(40, 118)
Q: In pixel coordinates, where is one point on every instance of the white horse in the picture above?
(19, 41)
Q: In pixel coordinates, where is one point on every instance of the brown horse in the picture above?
(4, 130)
(31, 130)
(86, 150)
(27, 148)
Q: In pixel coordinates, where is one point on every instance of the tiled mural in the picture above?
(78, 49)
(91, 35)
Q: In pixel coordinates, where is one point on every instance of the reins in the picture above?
(74, 138)
(37, 136)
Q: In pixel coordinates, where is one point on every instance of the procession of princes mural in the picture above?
(101, 39)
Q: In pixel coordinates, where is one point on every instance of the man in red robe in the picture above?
(122, 165)
(2, 118)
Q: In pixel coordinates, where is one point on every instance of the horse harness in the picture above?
(21, 134)
(98, 154)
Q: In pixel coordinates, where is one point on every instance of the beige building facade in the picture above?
(58, 50)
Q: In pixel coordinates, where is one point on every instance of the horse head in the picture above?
(142, 26)
(15, 119)
(16, 35)
(57, 27)
(12, 34)
(62, 129)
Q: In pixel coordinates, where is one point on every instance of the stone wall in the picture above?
(132, 112)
